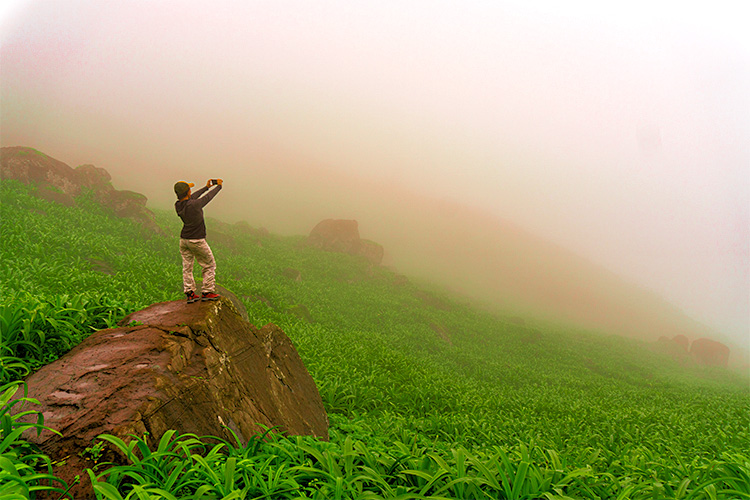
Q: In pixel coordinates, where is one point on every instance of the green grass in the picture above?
(427, 396)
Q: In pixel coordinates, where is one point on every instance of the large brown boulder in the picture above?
(710, 352)
(191, 367)
(60, 183)
(341, 235)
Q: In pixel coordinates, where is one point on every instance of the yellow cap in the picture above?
(181, 188)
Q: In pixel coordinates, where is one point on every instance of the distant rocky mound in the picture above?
(703, 350)
(191, 367)
(710, 352)
(59, 183)
(340, 235)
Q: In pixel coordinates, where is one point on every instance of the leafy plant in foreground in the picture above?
(274, 466)
(21, 461)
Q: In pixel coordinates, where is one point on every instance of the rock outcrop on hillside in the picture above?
(60, 183)
(704, 351)
(710, 352)
(340, 235)
(195, 368)
(674, 347)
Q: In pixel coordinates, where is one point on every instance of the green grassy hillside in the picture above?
(427, 396)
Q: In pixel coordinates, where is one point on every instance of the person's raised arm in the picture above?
(213, 192)
(198, 193)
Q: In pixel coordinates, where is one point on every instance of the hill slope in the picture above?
(407, 370)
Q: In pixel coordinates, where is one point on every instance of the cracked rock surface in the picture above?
(191, 367)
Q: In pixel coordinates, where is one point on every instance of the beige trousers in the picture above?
(197, 250)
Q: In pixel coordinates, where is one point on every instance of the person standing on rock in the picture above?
(193, 245)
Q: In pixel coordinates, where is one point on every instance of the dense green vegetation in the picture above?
(427, 396)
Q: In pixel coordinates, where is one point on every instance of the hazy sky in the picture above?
(620, 130)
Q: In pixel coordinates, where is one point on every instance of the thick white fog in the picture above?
(621, 133)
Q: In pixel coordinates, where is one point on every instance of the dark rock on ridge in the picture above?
(703, 350)
(340, 235)
(93, 177)
(191, 367)
(374, 252)
(59, 183)
(336, 235)
(710, 352)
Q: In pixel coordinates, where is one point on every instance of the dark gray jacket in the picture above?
(191, 213)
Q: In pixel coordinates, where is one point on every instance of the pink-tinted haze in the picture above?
(621, 133)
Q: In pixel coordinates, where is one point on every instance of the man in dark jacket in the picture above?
(193, 246)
